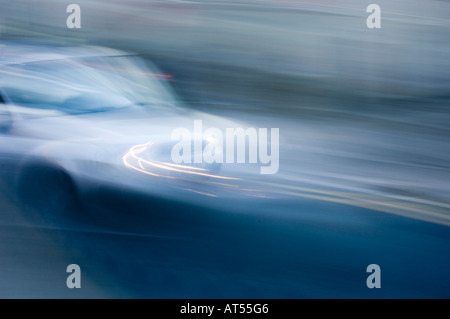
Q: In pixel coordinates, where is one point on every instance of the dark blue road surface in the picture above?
(309, 249)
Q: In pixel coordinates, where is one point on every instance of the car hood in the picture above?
(123, 125)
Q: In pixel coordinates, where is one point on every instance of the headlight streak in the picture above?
(139, 148)
(395, 206)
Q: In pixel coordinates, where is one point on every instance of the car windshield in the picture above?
(84, 85)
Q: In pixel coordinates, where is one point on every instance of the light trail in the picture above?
(136, 150)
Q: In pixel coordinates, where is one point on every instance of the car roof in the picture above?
(20, 51)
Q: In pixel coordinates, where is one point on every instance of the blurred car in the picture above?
(76, 119)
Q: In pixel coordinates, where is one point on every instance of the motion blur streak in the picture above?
(434, 212)
(364, 174)
(138, 149)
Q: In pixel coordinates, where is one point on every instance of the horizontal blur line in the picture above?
(90, 231)
(403, 207)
